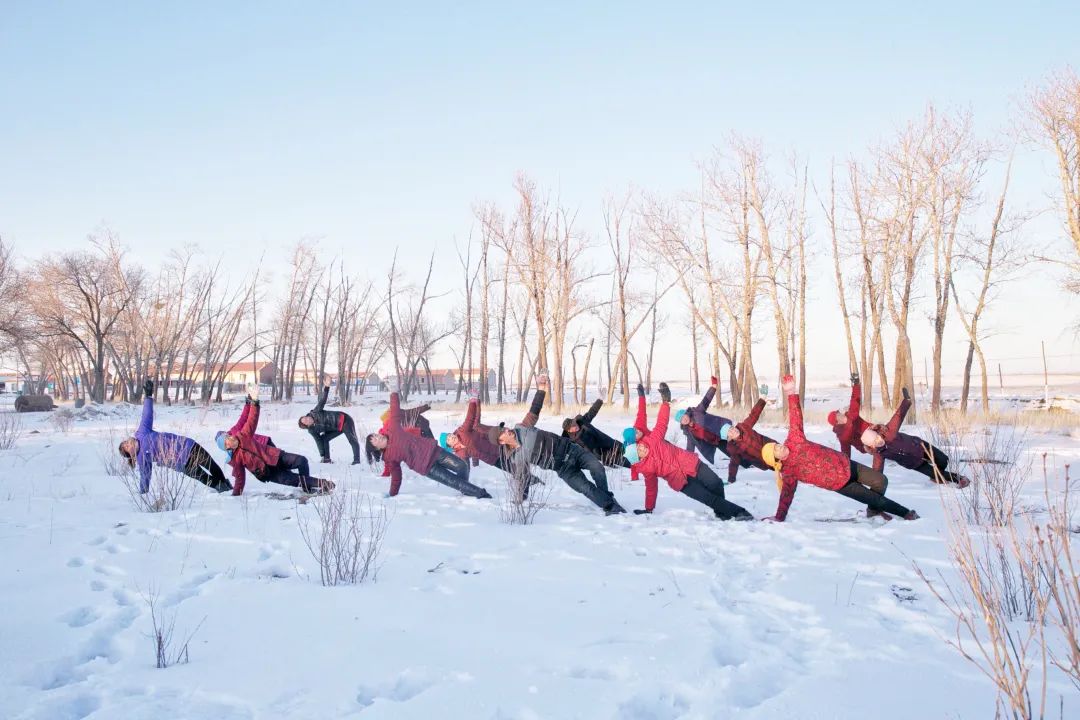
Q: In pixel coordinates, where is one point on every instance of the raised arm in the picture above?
(707, 399)
(755, 413)
(322, 398)
(893, 426)
(146, 422)
(589, 416)
(534, 410)
(251, 423)
(662, 417)
(795, 418)
(641, 420)
(472, 415)
(394, 420)
(235, 429)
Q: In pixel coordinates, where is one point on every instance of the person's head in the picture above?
(774, 453)
(374, 445)
(837, 417)
(630, 452)
(129, 448)
(570, 427)
(725, 431)
(306, 421)
(683, 418)
(630, 436)
(870, 438)
(226, 442)
(508, 438)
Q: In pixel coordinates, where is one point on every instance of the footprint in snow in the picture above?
(81, 617)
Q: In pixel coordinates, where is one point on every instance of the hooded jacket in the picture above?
(905, 450)
(402, 446)
(481, 441)
(709, 423)
(165, 449)
(746, 451)
(325, 420)
(664, 459)
(808, 462)
(600, 444)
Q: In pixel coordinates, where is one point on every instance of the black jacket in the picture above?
(600, 444)
(325, 420)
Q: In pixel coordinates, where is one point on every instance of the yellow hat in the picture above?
(768, 454)
(384, 416)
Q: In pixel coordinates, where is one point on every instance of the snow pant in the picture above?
(571, 468)
(453, 472)
(939, 463)
(867, 486)
(696, 489)
(348, 429)
(200, 466)
(291, 470)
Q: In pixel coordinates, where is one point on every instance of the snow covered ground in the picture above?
(674, 615)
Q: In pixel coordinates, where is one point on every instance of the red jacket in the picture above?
(664, 460)
(808, 462)
(418, 452)
(747, 449)
(849, 433)
(476, 436)
(254, 453)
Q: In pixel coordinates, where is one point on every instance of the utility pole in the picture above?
(1046, 377)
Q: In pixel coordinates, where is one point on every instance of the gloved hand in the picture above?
(640, 390)
(905, 393)
(665, 392)
(789, 384)
(639, 511)
(715, 381)
(854, 378)
(253, 391)
(771, 518)
(148, 388)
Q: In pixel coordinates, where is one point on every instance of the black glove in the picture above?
(665, 392)
(905, 393)
(640, 390)
(148, 388)
(643, 512)
(854, 378)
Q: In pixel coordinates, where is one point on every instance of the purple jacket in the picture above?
(165, 449)
(712, 423)
(905, 450)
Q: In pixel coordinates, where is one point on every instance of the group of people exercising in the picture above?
(579, 455)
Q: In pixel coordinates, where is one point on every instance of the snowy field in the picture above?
(674, 615)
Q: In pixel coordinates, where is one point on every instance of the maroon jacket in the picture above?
(476, 437)
(418, 452)
(808, 462)
(849, 433)
(747, 449)
(254, 453)
(905, 450)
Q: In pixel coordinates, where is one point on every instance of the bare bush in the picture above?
(10, 430)
(62, 419)
(345, 536)
(168, 649)
(522, 499)
(1055, 556)
(993, 458)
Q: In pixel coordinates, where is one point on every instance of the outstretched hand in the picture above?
(714, 381)
(789, 384)
(253, 391)
(665, 392)
(148, 388)
(542, 382)
(771, 519)
(640, 390)
(905, 393)
(854, 378)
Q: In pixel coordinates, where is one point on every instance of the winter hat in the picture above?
(494, 433)
(679, 415)
(442, 441)
(566, 424)
(629, 436)
(631, 454)
(869, 438)
(832, 418)
(385, 416)
(768, 454)
(724, 431)
(220, 439)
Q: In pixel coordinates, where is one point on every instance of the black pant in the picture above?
(710, 491)
(571, 469)
(867, 486)
(453, 472)
(202, 467)
(506, 467)
(348, 429)
(940, 462)
(283, 474)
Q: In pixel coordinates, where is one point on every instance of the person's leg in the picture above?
(291, 470)
(453, 472)
(868, 476)
(723, 509)
(324, 446)
(873, 500)
(936, 458)
(708, 477)
(349, 429)
(590, 463)
(575, 478)
(201, 466)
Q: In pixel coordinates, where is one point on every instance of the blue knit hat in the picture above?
(724, 431)
(442, 441)
(631, 454)
(679, 415)
(220, 439)
(629, 436)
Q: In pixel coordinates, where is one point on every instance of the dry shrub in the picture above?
(62, 419)
(993, 458)
(345, 536)
(10, 430)
(522, 499)
(168, 649)
(169, 489)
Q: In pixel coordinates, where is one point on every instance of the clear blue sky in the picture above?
(243, 126)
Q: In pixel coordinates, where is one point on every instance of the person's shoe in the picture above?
(355, 462)
(912, 515)
(871, 512)
(962, 483)
(743, 517)
(614, 508)
(486, 495)
(325, 460)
